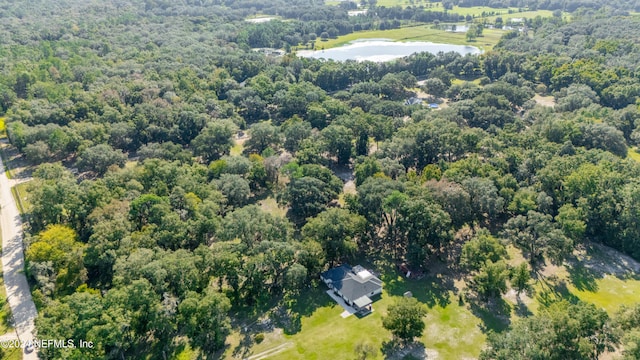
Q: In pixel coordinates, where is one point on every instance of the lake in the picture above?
(381, 50)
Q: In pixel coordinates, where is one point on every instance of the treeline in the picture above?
(564, 5)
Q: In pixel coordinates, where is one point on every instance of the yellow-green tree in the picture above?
(55, 260)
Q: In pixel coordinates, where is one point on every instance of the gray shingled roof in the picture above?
(350, 284)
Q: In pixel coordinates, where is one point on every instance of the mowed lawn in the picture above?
(610, 293)
(451, 329)
(21, 194)
(475, 11)
(418, 33)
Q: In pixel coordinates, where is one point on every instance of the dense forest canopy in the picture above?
(183, 180)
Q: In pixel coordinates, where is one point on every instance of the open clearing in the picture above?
(634, 153)
(418, 33)
(548, 101)
(475, 11)
(454, 329)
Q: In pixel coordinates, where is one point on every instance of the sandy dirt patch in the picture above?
(544, 100)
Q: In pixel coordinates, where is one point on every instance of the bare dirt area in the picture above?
(271, 352)
(603, 260)
(442, 102)
(349, 187)
(544, 100)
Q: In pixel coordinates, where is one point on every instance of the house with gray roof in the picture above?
(355, 285)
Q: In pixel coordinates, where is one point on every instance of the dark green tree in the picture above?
(214, 140)
(405, 319)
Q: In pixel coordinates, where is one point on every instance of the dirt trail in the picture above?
(271, 352)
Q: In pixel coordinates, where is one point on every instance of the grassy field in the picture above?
(12, 354)
(609, 292)
(475, 11)
(454, 330)
(417, 33)
(270, 205)
(22, 197)
(634, 154)
(237, 148)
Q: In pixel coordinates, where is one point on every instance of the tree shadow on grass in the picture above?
(521, 309)
(244, 347)
(289, 315)
(395, 350)
(431, 290)
(494, 313)
(582, 278)
(553, 291)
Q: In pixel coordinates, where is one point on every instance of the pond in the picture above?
(381, 50)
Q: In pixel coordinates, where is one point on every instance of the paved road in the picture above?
(18, 294)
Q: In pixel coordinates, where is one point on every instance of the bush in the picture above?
(259, 338)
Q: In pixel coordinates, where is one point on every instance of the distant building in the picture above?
(270, 51)
(355, 285)
(413, 101)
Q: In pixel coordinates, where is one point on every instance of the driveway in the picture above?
(18, 294)
(348, 310)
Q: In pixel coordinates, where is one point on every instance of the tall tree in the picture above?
(337, 230)
(214, 140)
(405, 319)
(204, 319)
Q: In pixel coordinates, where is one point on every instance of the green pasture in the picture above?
(475, 11)
(456, 327)
(417, 33)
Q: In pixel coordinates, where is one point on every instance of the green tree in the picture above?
(425, 229)
(235, 188)
(435, 87)
(251, 225)
(520, 278)
(571, 221)
(491, 279)
(366, 169)
(263, 136)
(295, 130)
(405, 319)
(214, 140)
(482, 248)
(337, 230)
(337, 142)
(471, 33)
(37, 152)
(561, 331)
(99, 158)
(307, 196)
(204, 319)
(58, 245)
(538, 236)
